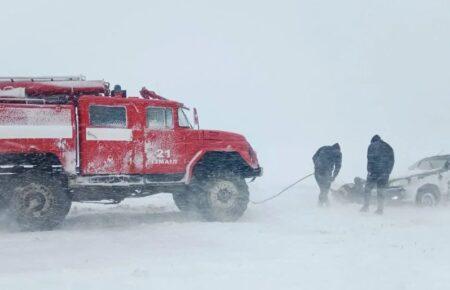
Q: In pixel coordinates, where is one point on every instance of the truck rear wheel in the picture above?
(39, 202)
(3, 204)
(223, 198)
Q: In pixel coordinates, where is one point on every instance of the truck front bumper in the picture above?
(256, 172)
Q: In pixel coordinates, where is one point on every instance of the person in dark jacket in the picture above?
(380, 162)
(327, 164)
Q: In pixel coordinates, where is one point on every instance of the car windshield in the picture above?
(431, 164)
(183, 120)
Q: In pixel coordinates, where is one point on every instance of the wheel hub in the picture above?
(224, 195)
(35, 201)
(428, 199)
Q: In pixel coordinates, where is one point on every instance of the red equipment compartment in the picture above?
(39, 128)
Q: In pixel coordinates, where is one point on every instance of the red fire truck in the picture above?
(68, 139)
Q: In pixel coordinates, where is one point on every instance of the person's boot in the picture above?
(323, 203)
(379, 211)
(322, 200)
(365, 208)
(380, 205)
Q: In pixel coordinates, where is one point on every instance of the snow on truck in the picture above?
(67, 139)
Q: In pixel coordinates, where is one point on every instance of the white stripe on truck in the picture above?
(35, 132)
(108, 134)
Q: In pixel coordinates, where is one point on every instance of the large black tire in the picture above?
(428, 196)
(185, 201)
(3, 204)
(39, 202)
(223, 197)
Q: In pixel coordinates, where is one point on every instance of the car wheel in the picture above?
(428, 196)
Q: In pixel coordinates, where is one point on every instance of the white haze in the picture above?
(291, 76)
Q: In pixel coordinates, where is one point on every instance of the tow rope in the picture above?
(283, 191)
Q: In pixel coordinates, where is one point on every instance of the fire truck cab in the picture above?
(66, 139)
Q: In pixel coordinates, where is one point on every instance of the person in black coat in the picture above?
(327, 164)
(380, 162)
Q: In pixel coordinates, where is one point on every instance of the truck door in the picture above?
(110, 137)
(163, 145)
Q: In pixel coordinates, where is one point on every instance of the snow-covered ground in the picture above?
(288, 243)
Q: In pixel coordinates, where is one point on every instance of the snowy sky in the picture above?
(290, 75)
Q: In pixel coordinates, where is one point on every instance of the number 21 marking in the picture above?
(163, 154)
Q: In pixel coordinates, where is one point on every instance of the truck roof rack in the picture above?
(43, 79)
(50, 86)
(43, 101)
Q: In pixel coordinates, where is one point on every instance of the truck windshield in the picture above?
(183, 120)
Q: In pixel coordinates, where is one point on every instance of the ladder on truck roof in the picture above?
(43, 79)
(14, 89)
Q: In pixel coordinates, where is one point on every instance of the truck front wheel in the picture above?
(39, 202)
(223, 198)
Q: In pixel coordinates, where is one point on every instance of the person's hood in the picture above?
(375, 138)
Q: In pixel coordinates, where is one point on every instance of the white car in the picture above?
(427, 182)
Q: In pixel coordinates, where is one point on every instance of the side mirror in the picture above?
(197, 123)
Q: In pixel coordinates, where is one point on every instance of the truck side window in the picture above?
(110, 117)
(159, 118)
